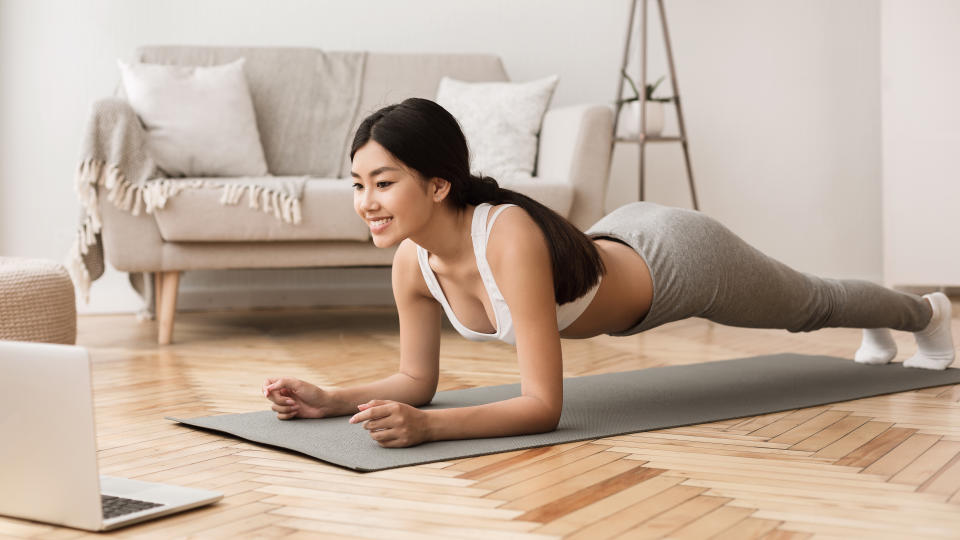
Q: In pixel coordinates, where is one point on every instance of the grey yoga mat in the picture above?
(598, 406)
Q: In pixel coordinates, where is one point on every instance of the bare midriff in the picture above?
(624, 296)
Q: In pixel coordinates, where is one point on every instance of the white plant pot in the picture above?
(630, 118)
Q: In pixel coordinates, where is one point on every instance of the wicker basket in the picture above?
(37, 301)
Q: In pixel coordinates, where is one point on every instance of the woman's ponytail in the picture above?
(482, 189)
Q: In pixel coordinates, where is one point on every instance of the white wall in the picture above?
(921, 137)
(781, 99)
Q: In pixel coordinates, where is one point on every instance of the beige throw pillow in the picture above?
(501, 121)
(200, 120)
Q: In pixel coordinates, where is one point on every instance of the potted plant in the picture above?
(630, 112)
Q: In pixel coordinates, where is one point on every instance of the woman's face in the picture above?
(391, 198)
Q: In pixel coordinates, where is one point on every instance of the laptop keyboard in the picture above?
(118, 506)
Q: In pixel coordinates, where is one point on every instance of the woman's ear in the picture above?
(439, 189)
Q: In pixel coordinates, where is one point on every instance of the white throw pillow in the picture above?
(200, 120)
(501, 121)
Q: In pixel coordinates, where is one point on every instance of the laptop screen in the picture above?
(48, 449)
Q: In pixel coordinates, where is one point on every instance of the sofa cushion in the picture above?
(196, 215)
(501, 121)
(199, 120)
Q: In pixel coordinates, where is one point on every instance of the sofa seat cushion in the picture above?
(196, 215)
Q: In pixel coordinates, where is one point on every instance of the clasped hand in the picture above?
(392, 424)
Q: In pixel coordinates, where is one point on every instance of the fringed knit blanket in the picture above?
(115, 163)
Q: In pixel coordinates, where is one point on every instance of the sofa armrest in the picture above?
(131, 243)
(575, 146)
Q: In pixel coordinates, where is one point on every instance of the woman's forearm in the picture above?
(518, 416)
(397, 387)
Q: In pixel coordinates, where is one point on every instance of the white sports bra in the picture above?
(480, 231)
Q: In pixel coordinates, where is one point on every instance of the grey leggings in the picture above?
(702, 269)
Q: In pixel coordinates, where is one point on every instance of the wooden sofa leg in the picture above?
(167, 309)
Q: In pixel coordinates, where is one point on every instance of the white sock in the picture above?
(877, 347)
(935, 342)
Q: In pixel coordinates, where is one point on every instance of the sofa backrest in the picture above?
(286, 83)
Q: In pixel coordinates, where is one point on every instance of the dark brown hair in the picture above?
(428, 139)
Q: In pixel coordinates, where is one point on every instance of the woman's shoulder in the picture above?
(406, 269)
(520, 262)
(514, 234)
(510, 216)
(406, 251)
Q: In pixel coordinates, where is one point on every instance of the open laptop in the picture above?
(48, 447)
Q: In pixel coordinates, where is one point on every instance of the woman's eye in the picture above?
(357, 187)
(383, 184)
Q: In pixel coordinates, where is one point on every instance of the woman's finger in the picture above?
(279, 383)
(284, 409)
(279, 399)
(378, 423)
(372, 403)
(372, 413)
(382, 436)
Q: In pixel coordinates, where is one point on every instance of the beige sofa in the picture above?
(193, 231)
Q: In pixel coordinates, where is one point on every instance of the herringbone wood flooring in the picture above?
(883, 467)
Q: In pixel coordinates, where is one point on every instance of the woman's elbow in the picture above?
(423, 398)
(548, 420)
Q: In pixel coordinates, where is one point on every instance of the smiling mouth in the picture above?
(380, 223)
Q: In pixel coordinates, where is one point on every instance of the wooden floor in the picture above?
(883, 467)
